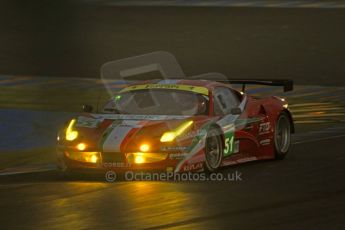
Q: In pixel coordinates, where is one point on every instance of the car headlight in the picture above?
(81, 146)
(171, 135)
(144, 148)
(70, 133)
(140, 158)
(88, 157)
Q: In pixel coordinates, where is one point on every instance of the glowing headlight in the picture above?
(144, 148)
(93, 159)
(81, 146)
(171, 135)
(89, 157)
(140, 158)
(70, 133)
(168, 136)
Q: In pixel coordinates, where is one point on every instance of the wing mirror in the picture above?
(87, 108)
(236, 111)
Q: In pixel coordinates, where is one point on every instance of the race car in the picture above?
(178, 125)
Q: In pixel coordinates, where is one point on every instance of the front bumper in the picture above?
(111, 161)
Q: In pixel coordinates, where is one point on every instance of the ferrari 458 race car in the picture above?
(178, 125)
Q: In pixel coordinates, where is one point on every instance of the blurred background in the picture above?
(50, 58)
(250, 39)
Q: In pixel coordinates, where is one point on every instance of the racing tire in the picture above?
(282, 136)
(213, 150)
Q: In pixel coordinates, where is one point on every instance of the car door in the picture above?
(224, 100)
(238, 129)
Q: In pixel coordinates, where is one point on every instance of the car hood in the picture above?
(125, 133)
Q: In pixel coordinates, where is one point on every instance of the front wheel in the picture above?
(213, 150)
(282, 136)
(63, 169)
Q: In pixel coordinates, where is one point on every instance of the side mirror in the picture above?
(236, 111)
(87, 108)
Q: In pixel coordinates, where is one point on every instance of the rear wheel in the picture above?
(213, 150)
(282, 136)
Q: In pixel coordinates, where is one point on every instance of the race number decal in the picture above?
(229, 143)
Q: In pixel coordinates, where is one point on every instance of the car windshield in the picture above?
(158, 102)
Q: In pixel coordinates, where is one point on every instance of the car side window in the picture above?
(224, 100)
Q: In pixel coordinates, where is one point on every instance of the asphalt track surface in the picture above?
(304, 191)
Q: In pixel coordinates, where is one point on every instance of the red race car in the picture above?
(178, 125)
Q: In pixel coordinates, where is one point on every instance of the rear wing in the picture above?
(285, 83)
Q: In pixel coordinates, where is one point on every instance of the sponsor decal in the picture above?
(264, 128)
(109, 165)
(130, 123)
(192, 134)
(236, 146)
(191, 167)
(174, 148)
(265, 142)
(178, 155)
(197, 147)
(137, 117)
(195, 89)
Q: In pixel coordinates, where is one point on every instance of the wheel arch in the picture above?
(216, 126)
(288, 113)
(275, 111)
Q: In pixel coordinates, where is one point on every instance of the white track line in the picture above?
(9, 173)
(319, 139)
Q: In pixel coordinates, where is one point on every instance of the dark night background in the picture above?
(71, 38)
